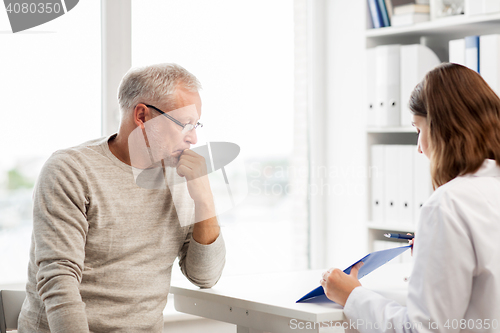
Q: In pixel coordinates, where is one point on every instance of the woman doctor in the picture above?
(455, 284)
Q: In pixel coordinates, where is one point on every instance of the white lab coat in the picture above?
(456, 275)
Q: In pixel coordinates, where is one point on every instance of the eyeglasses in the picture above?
(185, 127)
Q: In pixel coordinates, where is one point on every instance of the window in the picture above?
(243, 54)
(51, 99)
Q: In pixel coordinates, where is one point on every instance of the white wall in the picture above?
(346, 138)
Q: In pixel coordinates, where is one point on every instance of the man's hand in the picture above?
(338, 285)
(192, 166)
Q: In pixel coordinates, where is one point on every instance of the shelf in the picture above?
(402, 228)
(409, 129)
(450, 27)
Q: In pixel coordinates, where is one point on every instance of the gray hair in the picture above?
(155, 85)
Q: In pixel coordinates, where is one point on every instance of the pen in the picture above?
(400, 236)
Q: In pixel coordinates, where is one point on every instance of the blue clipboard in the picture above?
(371, 261)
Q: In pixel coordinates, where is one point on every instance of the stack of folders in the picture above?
(393, 71)
(405, 257)
(400, 184)
(480, 53)
(411, 14)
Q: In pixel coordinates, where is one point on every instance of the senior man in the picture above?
(103, 245)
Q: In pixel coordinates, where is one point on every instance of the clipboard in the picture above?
(371, 261)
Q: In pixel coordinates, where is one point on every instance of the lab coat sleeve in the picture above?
(441, 282)
(371, 312)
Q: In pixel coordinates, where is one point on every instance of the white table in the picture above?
(266, 302)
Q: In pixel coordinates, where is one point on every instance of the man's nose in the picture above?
(191, 137)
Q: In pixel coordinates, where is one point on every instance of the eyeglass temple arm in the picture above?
(166, 115)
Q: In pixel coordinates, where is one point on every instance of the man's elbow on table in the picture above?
(203, 264)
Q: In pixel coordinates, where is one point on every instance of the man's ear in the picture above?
(141, 115)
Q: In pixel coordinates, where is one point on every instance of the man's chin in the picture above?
(171, 161)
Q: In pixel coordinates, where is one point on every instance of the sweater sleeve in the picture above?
(60, 228)
(202, 264)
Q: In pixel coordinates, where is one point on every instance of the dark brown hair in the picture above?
(463, 115)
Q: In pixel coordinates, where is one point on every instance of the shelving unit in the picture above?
(435, 35)
(385, 136)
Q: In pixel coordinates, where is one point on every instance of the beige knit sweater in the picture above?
(102, 248)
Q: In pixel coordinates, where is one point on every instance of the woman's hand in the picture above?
(338, 285)
(411, 242)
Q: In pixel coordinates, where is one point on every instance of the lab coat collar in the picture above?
(488, 169)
